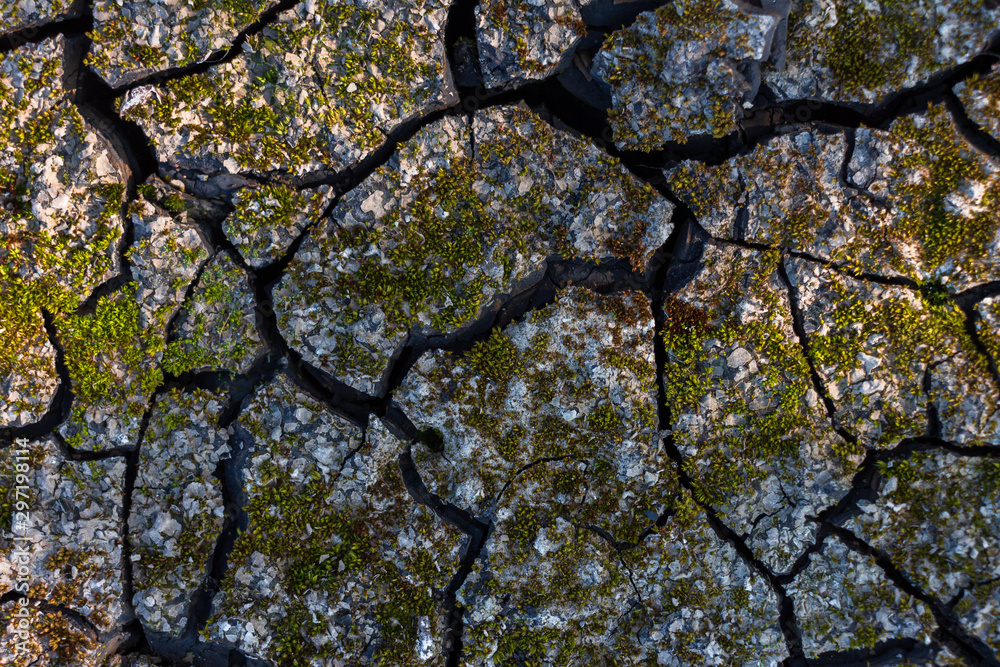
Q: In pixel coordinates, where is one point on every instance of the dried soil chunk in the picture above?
(753, 431)
(177, 506)
(367, 559)
(318, 88)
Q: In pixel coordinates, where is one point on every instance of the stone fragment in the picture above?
(914, 200)
(548, 429)
(268, 218)
(980, 96)
(28, 15)
(938, 519)
(918, 340)
(133, 39)
(684, 69)
(28, 378)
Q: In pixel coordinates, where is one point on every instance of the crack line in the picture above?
(950, 631)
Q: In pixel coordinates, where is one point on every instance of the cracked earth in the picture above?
(499, 333)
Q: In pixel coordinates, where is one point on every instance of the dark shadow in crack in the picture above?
(235, 521)
(905, 650)
(971, 131)
(533, 293)
(95, 101)
(187, 652)
(72, 25)
(477, 533)
(462, 47)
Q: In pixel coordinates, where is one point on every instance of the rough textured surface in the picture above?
(835, 47)
(873, 345)
(524, 40)
(215, 330)
(177, 506)
(113, 361)
(915, 200)
(366, 558)
(137, 38)
(436, 235)
(60, 190)
(299, 96)
(64, 553)
(60, 183)
(981, 96)
(20, 15)
(847, 603)
(695, 599)
(756, 440)
(499, 334)
(268, 218)
(938, 519)
(549, 430)
(30, 384)
(682, 70)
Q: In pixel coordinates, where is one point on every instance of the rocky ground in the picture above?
(499, 333)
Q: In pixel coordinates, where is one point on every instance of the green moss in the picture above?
(100, 346)
(754, 421)
(258, 124)
(934, 496)
(198, 25)
(270, 210)
(923, 181)
(605, 421)
(980, 95)
(854, 46)
(685, 334)
(174, 203)
(872, 48)
(216, 327)
(339, 547)
(912, 335)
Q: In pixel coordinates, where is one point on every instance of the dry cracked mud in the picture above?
(500, 333)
